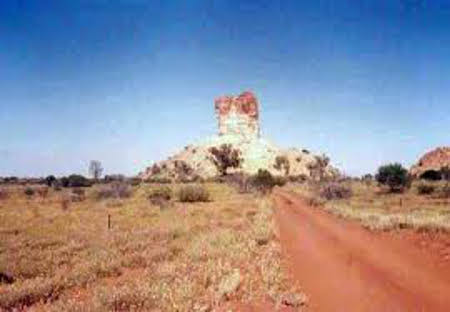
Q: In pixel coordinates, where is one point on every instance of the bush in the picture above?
(282, 163)
(75, 180)
(225, 157)
(425, 189)
(431, 175)
(193, 193)
(28, 191)
(113, 178)
(264, 181)
(160, 196)
(394, 176)
(335, 191)
(50, 180)
(135, 181)
(114, 190)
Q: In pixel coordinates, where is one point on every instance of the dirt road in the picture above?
(344, 267)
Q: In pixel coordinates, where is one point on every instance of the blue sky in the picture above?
(130, 82)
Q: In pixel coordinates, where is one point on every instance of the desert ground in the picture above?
(105, 248)
(61, 255)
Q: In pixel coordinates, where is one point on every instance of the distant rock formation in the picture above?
(239, 126)
(434, 160)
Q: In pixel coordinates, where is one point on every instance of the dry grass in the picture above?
(378, 210)
(64, 257)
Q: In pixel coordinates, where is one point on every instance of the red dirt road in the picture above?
(344, 267)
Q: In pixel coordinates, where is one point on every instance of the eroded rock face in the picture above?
(238, 121)
(238, 115)
(435, 160)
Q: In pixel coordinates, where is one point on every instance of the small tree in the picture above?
(282, 163)
(394, 176)
(95, 169)
(50, 180)
(225, 157)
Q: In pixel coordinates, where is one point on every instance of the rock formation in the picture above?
(238, 123)
(238, 115)
(434, 160)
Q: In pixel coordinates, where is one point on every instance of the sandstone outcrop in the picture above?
(239, 126)
(238, 115)
(434, 160)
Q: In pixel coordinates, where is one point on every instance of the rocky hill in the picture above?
(239, 127)
(434, 160)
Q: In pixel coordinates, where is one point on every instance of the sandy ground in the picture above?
(344, 267)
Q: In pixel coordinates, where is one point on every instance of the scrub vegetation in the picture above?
(141, 247)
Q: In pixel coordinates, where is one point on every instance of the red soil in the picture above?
(344, 267)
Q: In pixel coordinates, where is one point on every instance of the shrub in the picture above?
(193, 193)
(114, 190)
(335, 191)
(431, 175)
(183, 170)
(155, 169)
(28, 191)
(50, 180)
(394, 176)
(135, 181)
(425, 189)
(282, 163)
(264, 181)
(113, 177)
(298, 178)
(160, 196)
(75, 180)
(225, 157)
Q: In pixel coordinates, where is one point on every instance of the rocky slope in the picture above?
(434, 160)
(238, 123)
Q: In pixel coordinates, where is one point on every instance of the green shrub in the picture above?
(264, 181)
(160, 196)
(425, 189)
(28, 191)
(193, 193)
(75, 180)
(50, 180)
(282, 164)
(394, 176)
(225, 157)
(335, 191)
(135, 181)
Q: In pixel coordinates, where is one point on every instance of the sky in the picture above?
(131, 82)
